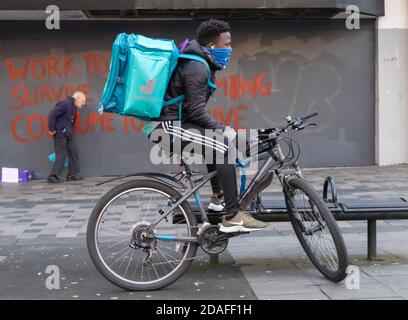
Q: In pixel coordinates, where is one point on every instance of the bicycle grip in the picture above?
(309, 116)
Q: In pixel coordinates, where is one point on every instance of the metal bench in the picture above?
(344, 210)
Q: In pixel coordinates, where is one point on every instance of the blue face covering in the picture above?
(221, 55)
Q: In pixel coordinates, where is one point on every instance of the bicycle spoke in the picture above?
(130, 260)
(194, 258)
(112, 238)
(155, 270)
(120, 258)
(162, 265)
(115, 244)
(150, 202)
(117, 215)
(127, 212)
(109, 228)
(166, 253)
(167, 260)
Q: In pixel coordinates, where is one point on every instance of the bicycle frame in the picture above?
(270, 162)
(276, 156)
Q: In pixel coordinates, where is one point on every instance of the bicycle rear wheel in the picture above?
(116, 236)
(317, 230)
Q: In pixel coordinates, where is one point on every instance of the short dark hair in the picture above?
(209, 31)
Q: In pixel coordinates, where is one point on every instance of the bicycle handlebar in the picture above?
(267, 135)
(296, 124)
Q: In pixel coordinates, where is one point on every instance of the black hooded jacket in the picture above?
(191, 79)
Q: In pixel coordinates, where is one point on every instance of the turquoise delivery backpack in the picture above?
(140, 70)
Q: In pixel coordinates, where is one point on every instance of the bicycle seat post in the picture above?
(186, 167)
(197, 197)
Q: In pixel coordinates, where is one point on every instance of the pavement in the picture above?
(43, 225)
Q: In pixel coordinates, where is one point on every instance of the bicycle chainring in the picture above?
(210, 241)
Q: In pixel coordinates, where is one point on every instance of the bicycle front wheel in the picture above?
(117, 241)
(317, 230)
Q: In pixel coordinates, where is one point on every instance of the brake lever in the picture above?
(309, 125)
(304, 126)
(297, 122)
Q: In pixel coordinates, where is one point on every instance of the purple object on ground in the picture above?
(183, 45)
(23, 176)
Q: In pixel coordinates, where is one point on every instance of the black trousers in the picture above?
(65, 146)
(193, 136)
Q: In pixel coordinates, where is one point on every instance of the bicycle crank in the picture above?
(213, 241)
(210, 241)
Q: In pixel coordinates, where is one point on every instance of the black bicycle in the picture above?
(143, 234)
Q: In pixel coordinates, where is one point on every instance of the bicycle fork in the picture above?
(289, 193)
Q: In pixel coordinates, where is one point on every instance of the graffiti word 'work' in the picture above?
(55, 73)
(57, 66)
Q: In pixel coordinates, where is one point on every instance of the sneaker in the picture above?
(54, 179)
(242, 222)
(74, 178)
(216, 204)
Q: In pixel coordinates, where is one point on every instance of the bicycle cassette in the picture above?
(212, 240)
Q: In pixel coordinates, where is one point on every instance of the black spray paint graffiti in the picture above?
(299, 87)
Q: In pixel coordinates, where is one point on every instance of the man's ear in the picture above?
(211, 45)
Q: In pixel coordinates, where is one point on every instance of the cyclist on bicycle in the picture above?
(190, 79)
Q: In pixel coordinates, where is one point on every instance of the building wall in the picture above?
(392, 98)
(278, 68)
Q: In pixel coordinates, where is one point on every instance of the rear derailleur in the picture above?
(141, 240)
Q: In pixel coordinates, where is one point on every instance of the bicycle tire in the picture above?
(338, 275)
(93, 245)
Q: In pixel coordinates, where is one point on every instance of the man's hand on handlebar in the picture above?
(296, 124)
(232, 136)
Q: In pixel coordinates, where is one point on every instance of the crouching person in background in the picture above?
(61, 122)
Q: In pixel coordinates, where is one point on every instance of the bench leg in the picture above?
(372, 240)
(214, 259)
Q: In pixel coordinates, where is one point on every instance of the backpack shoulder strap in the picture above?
(203, 61)
(212, 85)
(194, 57)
